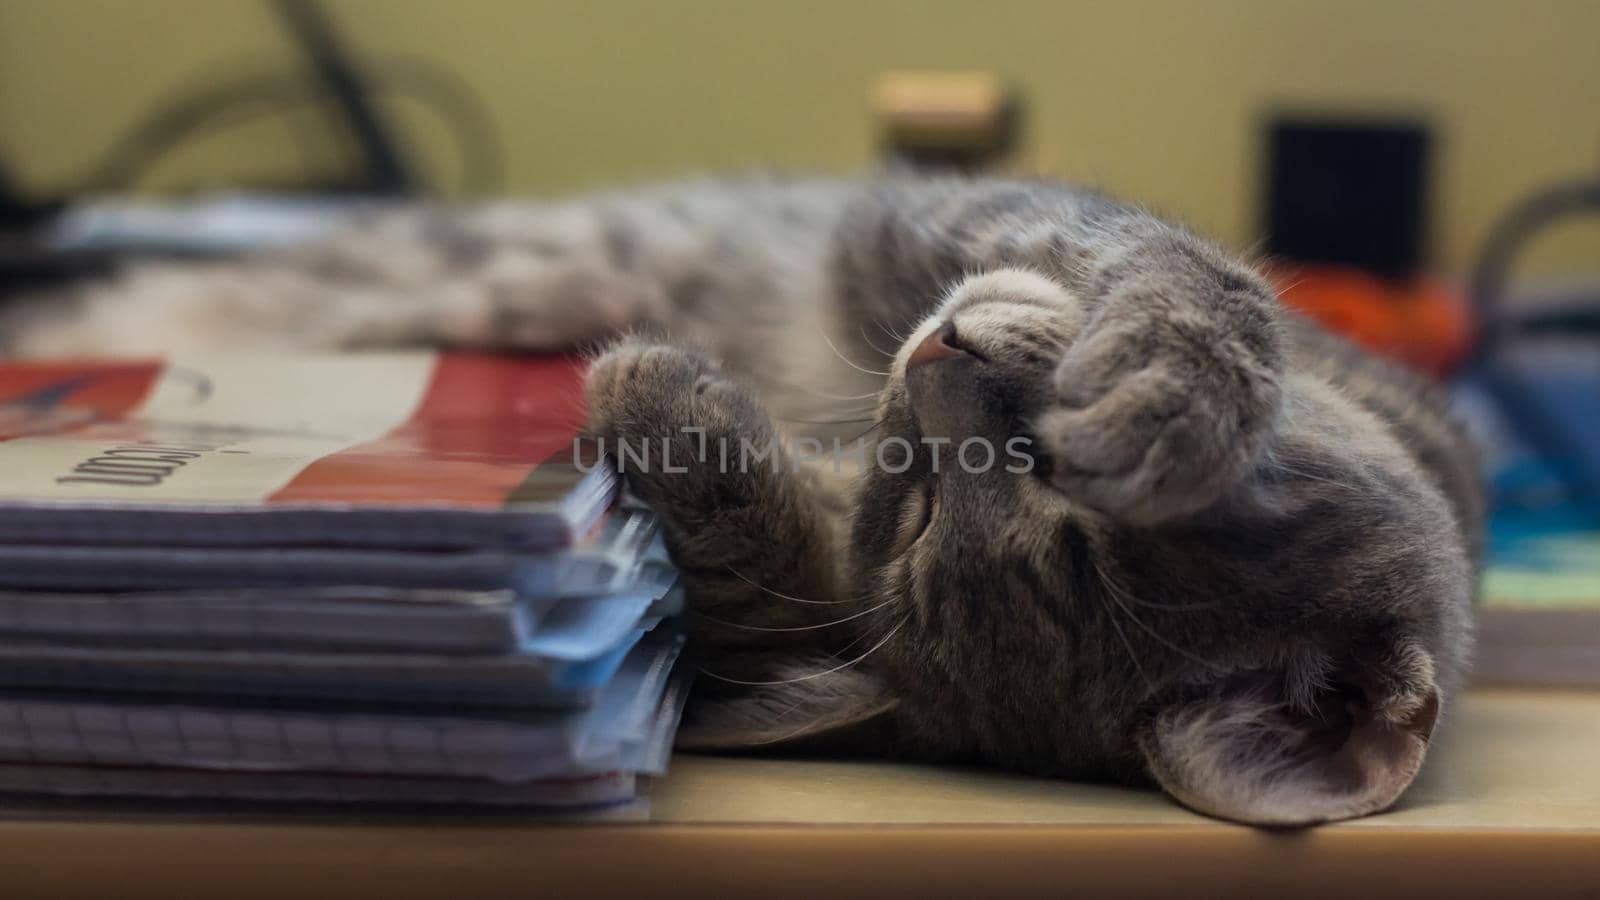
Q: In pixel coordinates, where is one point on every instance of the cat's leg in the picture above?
(1170, 395)
(770, 619)
(745, 528)
(524, 276)
(529, 277)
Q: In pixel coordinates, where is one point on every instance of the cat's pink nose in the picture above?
(941, 344)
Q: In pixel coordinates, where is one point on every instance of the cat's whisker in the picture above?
(886, 353)
(855, 409)
(1307, 476)
(844, 359)
(870, 395)
(897, 336)
(1120, 599)
(862, 636)
(1111, 616)
(910, 321)
(1123, 597)
(1133, 657)
(859, 407)
(855, 421)
(853, 616)
(824, 673)
(861, 434)
(767, 590)
(788, 735)
(1172, 607)
(1193, 657)
(793, 707)
(783, 737)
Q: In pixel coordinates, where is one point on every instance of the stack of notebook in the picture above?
(366, 579)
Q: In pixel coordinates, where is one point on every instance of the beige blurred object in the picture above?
(1159, 103)
(1509, 805)
(962, 118)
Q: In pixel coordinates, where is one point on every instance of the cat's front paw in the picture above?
(669, 409)
(634, 379)
(1158, 411)
(678, 430)
(640, 388)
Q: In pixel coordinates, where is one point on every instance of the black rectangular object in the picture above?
(1348, 192)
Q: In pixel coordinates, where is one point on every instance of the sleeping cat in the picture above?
(1212, 547)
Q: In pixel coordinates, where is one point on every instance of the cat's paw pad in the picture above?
(1154, 416)
(635, 377)
(647, 389)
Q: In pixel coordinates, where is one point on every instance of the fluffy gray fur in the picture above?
(1242, 566)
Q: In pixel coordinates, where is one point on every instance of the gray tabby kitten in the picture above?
(1239, 560)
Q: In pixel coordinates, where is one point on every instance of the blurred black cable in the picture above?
(1509, 237)
(345, 92)
(1555, 426)
(386, 169)
(248, 98)
(16, 210)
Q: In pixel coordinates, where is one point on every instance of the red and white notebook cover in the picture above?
(389, 450)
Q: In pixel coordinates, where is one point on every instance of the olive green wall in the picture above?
(1158, 101)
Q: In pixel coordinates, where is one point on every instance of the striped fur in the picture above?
(1241, 564)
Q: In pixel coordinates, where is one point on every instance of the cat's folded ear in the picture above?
(808, 709)
(1250, 750)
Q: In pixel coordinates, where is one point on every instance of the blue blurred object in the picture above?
(1535, 411)
(1532, 394)
(209, 226)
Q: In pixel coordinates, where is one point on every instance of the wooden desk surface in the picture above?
(1508, 805)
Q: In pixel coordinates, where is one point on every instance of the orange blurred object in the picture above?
(1422, 322)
